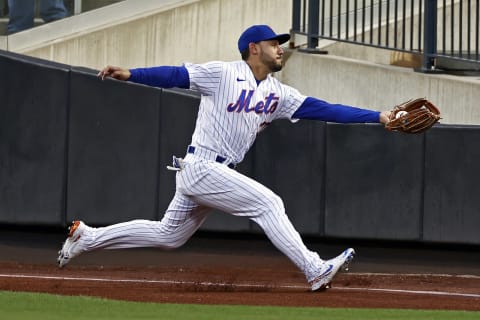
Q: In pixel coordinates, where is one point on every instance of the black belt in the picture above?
(219, 159)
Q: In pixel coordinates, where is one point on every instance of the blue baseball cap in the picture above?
(259, 33)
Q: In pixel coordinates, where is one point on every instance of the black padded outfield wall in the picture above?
(112, 150)
(33, 131)
(374, 183)
(73, 146)
(452, 190)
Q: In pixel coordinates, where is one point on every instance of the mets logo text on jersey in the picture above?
(267, 106)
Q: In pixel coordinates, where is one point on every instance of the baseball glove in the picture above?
(413, 116)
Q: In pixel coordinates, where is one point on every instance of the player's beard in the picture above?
(276, 66)
(271, 63)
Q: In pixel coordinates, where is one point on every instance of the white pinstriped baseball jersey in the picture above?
(234, 108)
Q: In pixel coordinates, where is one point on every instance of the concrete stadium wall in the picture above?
(151, 32)
(381, 87)
(75, 147)
(170, 32)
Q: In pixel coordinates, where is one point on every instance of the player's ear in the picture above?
(253, 47)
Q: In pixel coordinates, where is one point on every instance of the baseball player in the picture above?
(238, 100)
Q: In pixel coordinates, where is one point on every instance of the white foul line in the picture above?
(435, 275)
(231, 285)
(169, 282)
(434, 293)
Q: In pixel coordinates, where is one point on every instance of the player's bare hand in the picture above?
(384, 116)
(114, 72)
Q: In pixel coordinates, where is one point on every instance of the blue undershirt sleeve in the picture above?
(163, 77)
(315, 109)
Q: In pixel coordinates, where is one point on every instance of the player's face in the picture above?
(271, 55)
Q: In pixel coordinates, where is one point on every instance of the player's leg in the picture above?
(181, 220)
(228, 190)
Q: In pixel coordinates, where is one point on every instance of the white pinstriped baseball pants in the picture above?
(202, 185)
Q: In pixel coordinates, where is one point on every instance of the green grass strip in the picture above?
(39, 306)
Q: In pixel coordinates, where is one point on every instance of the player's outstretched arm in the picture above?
(114, 72)
(316, 109)
(162, 76)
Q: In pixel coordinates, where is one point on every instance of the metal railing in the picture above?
(436, 29)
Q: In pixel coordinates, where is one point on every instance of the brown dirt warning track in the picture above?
(244, 270)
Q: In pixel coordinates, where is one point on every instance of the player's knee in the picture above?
(169, 237)
(171, 244)
(273, 203)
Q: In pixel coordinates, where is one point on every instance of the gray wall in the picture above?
(33, 119)
(374, 183)
(74, 147)
(452, 172)
(112, 150)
